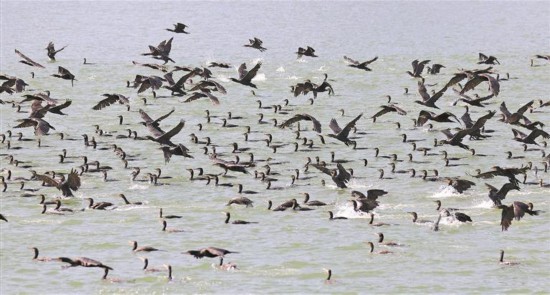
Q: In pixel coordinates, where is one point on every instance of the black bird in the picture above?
(460, 185)
(497, 195)
(63, 73)
(342, 134)
(111, 99)
(366, 203)
(256, 43)
(27, 60)
(202, 94)
(167, 216)
(477, 102)
(387, 109)
(52, 52)
(148, 120)
(494, 85)
(434, 69)
(510, 173)
(358, 65)
(210, 252)
(178, 28)
(82, 261)
(489, 60)
(179, 150)
(514, 118)
(41, 127)
(241, 201)
(306, 52)
(164, 137)
(303, 117)
(340, 176)
(245, 77)
(418, 68)
(228, 216)
(2, 217)
(162, 51)
(456, 139)
(425, 116)
(529, 139)
(66, 186)
(463, 74)
(428, 100)
(146, 82)
(517, 210)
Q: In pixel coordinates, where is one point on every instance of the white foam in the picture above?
(280, 69)
(446, 192)
(259, 77)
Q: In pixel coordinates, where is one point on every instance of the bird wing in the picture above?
(252, 73)
(373, 194)
(73, 180)
(536, 133)
(455, 79)
(482, 57)
(26, 123)
(43, 127)
(384, 110)
(423, 91)
(334, 126)
(32, 62)
(145, 117)
(467, 120)
(447, 133)
(472, 83)
(213, 98)
(494, 85)
(345, 132)
(506, 217)
(64, 72)
(109, 100)
(519, 209)
(323, 169)
(195, 96)
(46, 179)
(518, 134)
(57, 109)
(524, 108)
(507, 187)
(161, 117)
(490, 187)
(157, 132)
(482, 120)
(343, 174)
(358, 195)
(371, 61)
(352, 61)
(172, 132)
(242, 71)
(504, 110)
(437, 95)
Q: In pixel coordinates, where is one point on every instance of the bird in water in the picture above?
(371, 246)
(135, 247)
(41, 259)
(228, 216)
(504, 262)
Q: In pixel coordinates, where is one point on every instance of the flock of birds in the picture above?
(196, 83)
